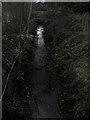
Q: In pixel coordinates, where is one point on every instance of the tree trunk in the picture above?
(29, 18)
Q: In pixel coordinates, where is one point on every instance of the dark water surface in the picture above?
(44, 102)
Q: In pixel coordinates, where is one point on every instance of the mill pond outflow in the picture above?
(44, 104)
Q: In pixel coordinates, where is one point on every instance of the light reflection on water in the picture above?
(40, 39)
(40, 51)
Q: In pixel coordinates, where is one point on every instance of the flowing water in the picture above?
(44, 103)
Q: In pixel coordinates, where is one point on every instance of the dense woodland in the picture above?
(66, 42)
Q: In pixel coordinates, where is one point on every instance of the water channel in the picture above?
(44, 103)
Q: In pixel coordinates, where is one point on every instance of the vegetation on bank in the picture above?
(17, 92)
(67, 40)
(17, 42)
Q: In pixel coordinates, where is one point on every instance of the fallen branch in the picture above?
(9, 76)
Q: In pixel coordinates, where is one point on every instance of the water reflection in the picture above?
(40, 51)
(40, 38)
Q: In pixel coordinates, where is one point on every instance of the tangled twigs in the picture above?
(9, 75)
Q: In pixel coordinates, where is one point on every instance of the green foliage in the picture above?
(4, 37)
(25, 37)
(17, 51)
(17, 92)
(68, 45)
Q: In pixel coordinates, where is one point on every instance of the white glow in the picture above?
(40, 1)
(40, 40)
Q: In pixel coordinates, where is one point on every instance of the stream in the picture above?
(44, 103)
